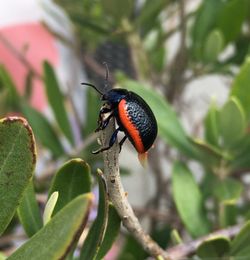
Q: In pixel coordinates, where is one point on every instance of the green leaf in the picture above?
(132, 250)
(71, 180)
(17, 162)
(204, 23)
(96, 233)
(91, 25)
(228, 213)
(188, 200)
(55, 239)
(169, 126)
(93, 108)
(2, 256)
(161, 235)
(28, 211)
(241, 87)
(157, 58)
(240, 246)
(242, 154)
(210, 155)
(215, 247)
(117, 9)
(228, 190)
(43, 130)
(55, 98)
(49, 207)
(213, 46)
(232, 122)
(150, 13)
(231, 28)
(111, 232)
(8, 83)
(212, 125)
(175, 237)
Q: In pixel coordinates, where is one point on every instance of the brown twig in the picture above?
(98, 68)
(73, 107)
(139, 56)
(179, 64)
(119, 199)
(19, 56)
(184, 250)
(155, 163)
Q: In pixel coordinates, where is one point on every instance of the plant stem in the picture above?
(119, 199)
(19, 55)
(184, 250)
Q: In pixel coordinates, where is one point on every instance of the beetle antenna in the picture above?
(106, 84)
(93, 86)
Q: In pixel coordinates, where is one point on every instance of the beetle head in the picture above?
(114, 96)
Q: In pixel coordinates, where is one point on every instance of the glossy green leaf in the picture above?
(49, 207)
(228, 189)
(17, 162)
(55, 239)
(213, 46)
(240, 246)
(111, 232)
(188, 200)
(228, 26)
(55, 98)
(71, 180)
(241, 87)
(43, 130)
(232, 122)
(215, 247)
(28, 211)
(212, 125)
(169, 126)
(95, 236)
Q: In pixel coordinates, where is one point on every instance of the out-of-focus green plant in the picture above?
(222, 153)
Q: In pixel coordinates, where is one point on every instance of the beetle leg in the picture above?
(102, 124)
(104, 110)
(111, 142)
(121, 142)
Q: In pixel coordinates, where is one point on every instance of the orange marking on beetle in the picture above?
(130, 127)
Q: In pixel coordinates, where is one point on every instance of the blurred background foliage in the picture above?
(132, 36)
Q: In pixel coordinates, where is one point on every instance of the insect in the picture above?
(133, 115)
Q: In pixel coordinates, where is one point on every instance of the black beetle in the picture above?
(133, 115)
